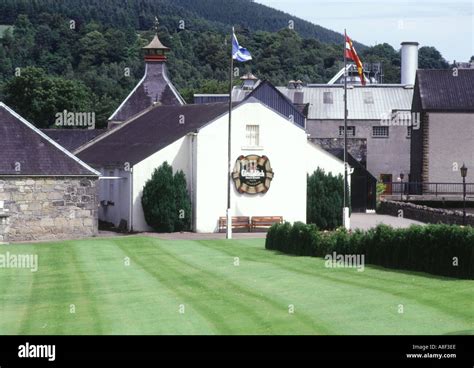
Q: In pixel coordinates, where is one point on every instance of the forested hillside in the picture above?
(199, 14)
(84, 55)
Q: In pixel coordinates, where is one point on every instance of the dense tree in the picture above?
(159, 206)
(24, 38)
(93, 49)
(430, 58)
(325, 200)
(388, 57)
(39, 97)
(197, 15)
(165, 200)
(96, 44)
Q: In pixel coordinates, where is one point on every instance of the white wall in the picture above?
(178, 155)
(286, 146)
(318, 157)
(203, 158)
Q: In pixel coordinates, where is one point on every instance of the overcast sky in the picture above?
(447, 25)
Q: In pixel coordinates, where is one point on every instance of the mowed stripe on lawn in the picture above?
(233, 306)
(218, 296)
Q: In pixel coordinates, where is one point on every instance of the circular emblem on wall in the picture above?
(252, 174)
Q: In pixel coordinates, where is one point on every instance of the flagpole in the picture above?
(229, 152)
(346, 222)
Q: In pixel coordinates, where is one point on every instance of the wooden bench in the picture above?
(265, 221)
(238, 222)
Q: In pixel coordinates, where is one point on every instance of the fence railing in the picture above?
(436, 189)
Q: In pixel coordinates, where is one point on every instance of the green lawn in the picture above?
(145, 297)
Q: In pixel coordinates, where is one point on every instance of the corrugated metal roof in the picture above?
(384, 98)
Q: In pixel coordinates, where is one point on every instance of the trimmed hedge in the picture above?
(432, 248)
(325, 197)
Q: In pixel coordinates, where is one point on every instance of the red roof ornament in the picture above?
(155, 50)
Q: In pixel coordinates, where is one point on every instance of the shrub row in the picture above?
(437, 249)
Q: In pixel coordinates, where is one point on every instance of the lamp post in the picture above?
(402, 175)
(464, 174)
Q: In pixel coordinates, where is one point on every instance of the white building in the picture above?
(193, 138)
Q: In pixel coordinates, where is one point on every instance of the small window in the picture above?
(351, 131)
(252, 135)
(380, 132)
(368, 98)
(327, 98)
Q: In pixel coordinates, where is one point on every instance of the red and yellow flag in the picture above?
(351, 53)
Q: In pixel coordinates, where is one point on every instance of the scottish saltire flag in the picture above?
(239, 53)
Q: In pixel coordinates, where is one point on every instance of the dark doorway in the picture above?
(359, 193)
(387, 180)
(363, 183)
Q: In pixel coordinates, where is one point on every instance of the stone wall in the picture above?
(423, 213)
(47, 208)
(388, 156)
(357, 147)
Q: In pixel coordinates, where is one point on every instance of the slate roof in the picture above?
(442, 91)
(24, 147)
(142, 136)
(272, 97)
(155, 87)
(210, 98)
(72, 138)
(265, 92)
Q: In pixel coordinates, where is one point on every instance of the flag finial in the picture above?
(156, 25)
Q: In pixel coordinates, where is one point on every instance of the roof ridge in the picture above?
(48, 139)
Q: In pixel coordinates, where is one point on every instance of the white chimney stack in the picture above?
(409, 62)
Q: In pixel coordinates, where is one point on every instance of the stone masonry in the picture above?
(47, 208)
(423, 213)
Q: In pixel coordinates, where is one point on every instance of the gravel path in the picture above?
(362, 221)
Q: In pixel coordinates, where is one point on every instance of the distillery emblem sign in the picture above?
(252, 174)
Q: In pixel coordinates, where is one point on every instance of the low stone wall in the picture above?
(47, 208)
(423, 213)
(357, 147)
